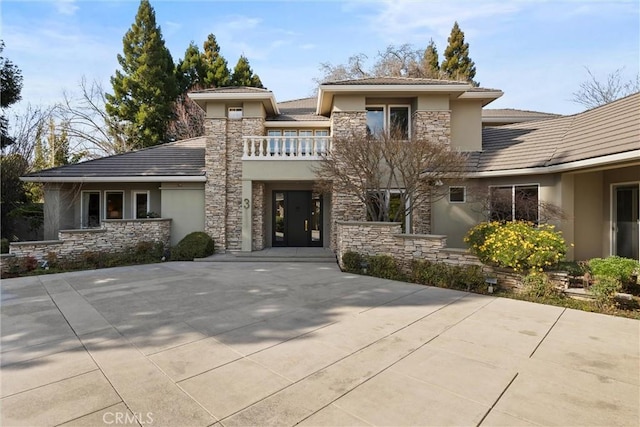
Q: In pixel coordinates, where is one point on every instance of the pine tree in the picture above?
(190, 70)
(456, 64)
(430, 61)
(243, 75)
(146, 87)
(10, 88)
(216, 69)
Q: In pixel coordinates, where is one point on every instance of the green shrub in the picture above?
(384, 266)
(352, 262)
(615, 267)
(194, 245)
(604, 289)
(468, 278)
(518, 245)
(573, 268)
(538, 285)
(4, 246)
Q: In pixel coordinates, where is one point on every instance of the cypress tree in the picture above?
(456, 64)
(145, 89)
(430, 61)
(216, 71)
(243, 75)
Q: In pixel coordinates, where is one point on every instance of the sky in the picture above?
(537, 52)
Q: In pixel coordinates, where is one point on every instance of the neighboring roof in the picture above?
(180, 160)
(607, 133)
(236, 93)
(303, 109)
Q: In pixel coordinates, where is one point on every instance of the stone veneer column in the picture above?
(345, 207)
(215, 199)
(434, 126)
(259, 215)
(233, 189)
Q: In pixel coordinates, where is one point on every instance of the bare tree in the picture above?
(354, 69)
(371, 167)
(594, 92)
(399, 61)
(89, 126)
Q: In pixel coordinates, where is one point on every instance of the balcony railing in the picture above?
(285, 147)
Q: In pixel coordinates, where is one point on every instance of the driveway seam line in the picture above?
(52, 382)
(548, 332)
(94, 412)
(115, 390)
(497, 400)
(359, 350)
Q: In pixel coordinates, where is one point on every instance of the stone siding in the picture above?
(258, 216)
(233, 185)
(215, 198)
(432, 125)
(385, 238)
(114, 236)
(344, 207)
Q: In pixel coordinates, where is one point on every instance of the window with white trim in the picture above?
(90, 209)
(515, 203)
(140, 204)
(114, 204)
(457, 194)
(235, 113)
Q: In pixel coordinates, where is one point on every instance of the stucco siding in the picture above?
(184, 204)
(466, 125)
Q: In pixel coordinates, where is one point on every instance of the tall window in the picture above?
(114, 204)
(140, 204)
(90, 208)
(514, 203)
(392, 119)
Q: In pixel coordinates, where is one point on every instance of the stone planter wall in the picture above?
(114, 236)
(386, 238)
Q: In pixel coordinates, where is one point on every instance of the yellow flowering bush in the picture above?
(518, 245)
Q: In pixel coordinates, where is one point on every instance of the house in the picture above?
(249, 182)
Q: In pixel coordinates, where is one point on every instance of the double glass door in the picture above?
(297, 218)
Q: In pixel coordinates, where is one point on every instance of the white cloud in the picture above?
(66, 7)
(397, 20)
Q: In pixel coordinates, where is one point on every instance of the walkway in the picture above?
(226, 344)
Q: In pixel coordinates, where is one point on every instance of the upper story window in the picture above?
(235, 113)
(393, 119)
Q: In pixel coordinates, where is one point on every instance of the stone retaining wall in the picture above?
(386, 238)
(115, 235)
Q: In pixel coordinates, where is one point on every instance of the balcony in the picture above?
(285, 147)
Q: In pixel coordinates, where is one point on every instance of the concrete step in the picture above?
(233, 258)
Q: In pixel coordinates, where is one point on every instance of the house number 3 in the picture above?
(245, 203)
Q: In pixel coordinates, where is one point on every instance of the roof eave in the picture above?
(91, 179)
(267, 98)
(458, 91)
(485, 96)
(608, 160)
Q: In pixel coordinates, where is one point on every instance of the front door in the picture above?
(626, 205)
(297, 219)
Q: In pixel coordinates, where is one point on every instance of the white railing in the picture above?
(285, 147)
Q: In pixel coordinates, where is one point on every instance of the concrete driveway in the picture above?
(198, 344)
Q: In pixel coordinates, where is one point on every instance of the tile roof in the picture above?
(232, 89)
(512, 112)
(299, 109)
(610, 129)
(394, 81)
(180, 158)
